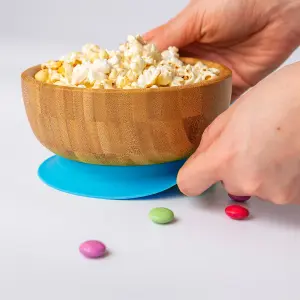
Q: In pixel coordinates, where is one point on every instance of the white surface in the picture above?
(204, 255)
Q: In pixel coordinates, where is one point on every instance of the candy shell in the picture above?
(161, 215)
(92, 249)
(236, 212)
(239, 198)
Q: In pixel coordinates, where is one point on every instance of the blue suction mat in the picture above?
(108, 182)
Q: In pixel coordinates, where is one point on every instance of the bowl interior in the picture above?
(225, 72)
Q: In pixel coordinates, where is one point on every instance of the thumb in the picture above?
(213, 132)
(201, 169)
(199, 172)
(179, 31)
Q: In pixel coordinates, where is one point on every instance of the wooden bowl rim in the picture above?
(225, 72)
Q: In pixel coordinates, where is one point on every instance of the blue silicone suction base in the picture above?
(108, 182)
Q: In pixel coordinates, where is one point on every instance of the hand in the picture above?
(252, 37)
(254, 146)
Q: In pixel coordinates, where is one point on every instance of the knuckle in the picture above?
(281, 198)
(206, 132)
(250, 186)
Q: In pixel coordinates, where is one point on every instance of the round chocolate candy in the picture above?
(161, 215)
(92, 249)
(239, 198)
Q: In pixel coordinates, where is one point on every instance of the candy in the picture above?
(161, 215)
(239, 198)
(92, 249)
(236, 212)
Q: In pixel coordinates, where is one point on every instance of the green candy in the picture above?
(161, 215)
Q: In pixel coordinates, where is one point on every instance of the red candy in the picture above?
(239, 198)
(236, 212)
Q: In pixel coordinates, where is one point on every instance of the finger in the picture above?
(179, 31)
(200, 172)
(233, 188)
(213, 131)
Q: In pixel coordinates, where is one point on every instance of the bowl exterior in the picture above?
(122, 128)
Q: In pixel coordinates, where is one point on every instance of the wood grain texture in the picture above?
(124, 127)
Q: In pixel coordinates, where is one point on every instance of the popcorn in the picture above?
(103, 54)
(151, 54)
(208, 75)
(131, 39)
(67, 71)
(107, 84)
(122, 48)
(215, 71)
(90, 48)
(94, 76)
(114, 60)
(132, 76)
(113, 75)
(97, 85)
(148, 78)
(54, 76)
(133, 48)
(150, 50)
(199, 65)
(122, 81)
(92, 56)
(51, 64)
(42, 75)
(134, 85)
(140, 39)
(177, 81)
(60, 83)
(127, 87)
(172, 52)
(102, 84)
(80, 73)
(190, 78)
(135, 65)
(102, 66)
(73, 58)
(165, 77)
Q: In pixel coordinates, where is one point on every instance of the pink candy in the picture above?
(92, 249)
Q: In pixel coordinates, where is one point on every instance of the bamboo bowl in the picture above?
(124, 127)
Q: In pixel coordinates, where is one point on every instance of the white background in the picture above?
(204, 255)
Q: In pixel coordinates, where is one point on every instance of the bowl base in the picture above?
(108, 182)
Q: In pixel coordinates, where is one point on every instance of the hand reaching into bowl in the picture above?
(251, 37)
